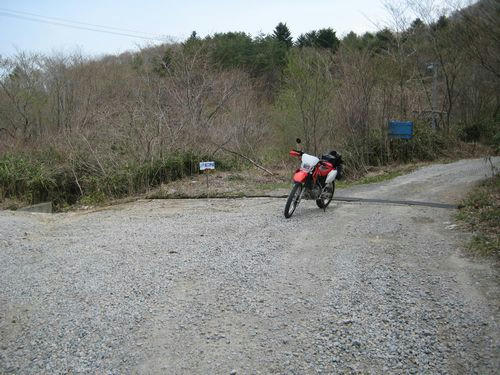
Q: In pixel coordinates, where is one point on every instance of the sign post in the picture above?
(206, 167)
(401, 130)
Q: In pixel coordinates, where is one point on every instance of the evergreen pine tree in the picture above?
(282, 34)
(326, 38)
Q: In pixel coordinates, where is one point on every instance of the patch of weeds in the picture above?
(11, 204)
(480, 213)
(96, 197)
(485, 245)
(235, 177)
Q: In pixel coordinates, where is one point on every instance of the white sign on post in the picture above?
(207, 165)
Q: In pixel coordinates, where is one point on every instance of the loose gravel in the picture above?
(231, 286)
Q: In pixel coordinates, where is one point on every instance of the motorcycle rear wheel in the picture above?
(325, 201)
(293, 200)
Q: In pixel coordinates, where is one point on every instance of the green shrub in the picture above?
(94, 198)
(480, 212)
(485, 131)
(21, 177)
(375, 150)
(425, 145)
(48, 176)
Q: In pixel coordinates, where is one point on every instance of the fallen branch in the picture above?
(76, 180)
(221, 147)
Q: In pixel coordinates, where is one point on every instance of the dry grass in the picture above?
(247, 183)
(481, 214)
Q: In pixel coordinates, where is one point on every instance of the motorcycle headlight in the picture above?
(307, 167)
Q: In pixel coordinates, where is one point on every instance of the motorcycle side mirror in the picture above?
(298, 140)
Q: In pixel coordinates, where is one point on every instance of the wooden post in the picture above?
(206, 167)
(206, 174)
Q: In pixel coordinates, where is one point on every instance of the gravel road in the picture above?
(231, 286)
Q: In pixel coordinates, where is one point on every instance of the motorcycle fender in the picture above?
(331, 176)
(300, 176)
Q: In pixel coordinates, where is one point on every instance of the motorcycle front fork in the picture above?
(302, 191)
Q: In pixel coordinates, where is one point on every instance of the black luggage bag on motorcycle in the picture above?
(336, 159)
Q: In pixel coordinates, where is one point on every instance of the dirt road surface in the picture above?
(230, 286)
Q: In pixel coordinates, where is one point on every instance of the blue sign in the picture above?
(401, 129)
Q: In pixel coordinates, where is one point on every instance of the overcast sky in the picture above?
(175, 19)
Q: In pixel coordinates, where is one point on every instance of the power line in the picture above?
(75, 22)
(4, 14)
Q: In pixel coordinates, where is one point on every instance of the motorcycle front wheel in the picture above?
(293, 200)
(325, 200)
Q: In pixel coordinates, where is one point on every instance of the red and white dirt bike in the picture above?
(315, 179)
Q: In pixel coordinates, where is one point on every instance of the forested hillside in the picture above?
(72, 126)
